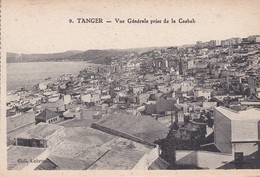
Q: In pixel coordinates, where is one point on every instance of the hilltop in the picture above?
(95, 56)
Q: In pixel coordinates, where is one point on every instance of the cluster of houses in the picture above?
(206, 95)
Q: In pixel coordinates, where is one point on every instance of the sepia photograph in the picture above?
(169, 86)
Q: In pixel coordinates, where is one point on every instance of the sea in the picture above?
(29, 74)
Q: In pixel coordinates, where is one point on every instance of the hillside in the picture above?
(102, 56)
(18, 58)
(95, 56)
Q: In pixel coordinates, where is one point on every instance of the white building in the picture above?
(67, 99)
(257, 92)
(202, 93)
(187, 86)
(237, 132)
(42, 86)
(86, 98)
(12, 98)
(257, 39)
(191, 64)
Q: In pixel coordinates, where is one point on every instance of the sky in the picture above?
(42, 26)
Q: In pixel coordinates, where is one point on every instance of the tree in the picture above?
(167, 146)
(210, 122)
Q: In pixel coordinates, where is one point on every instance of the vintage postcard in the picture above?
(130, 88)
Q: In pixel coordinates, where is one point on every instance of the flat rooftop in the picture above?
(83, 145)
(250, 103)
(143, 127)
(247, 115)
(87, 148)
(251, 114)
(20, 121)
(40, 131)
(123, 155)
(78, 122)
(18, 156)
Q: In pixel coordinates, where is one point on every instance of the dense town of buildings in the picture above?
(187, 107)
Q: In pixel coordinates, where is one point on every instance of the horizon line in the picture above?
(131, 48)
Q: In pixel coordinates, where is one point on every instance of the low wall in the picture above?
(121, 134)
(11, 135)
(202, 159)
(147, 159)
(55, 139)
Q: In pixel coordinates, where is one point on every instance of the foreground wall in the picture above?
(222, 132)
(202, 159)
(147, 159)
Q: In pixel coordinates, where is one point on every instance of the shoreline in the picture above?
(76, 61)
(12, 85)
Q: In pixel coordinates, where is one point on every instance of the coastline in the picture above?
(64, 61)
(29, 74)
